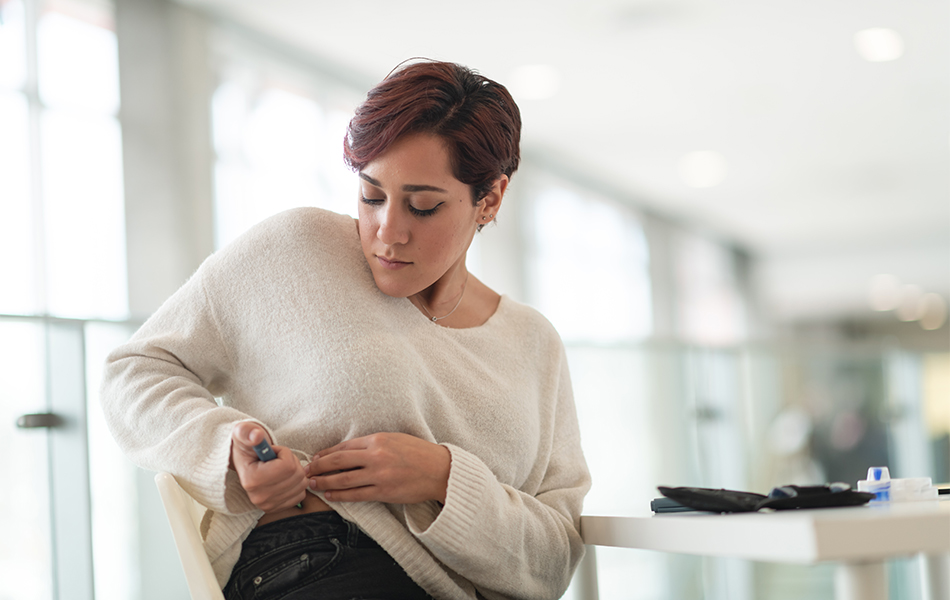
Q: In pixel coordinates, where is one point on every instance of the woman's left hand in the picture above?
(384, 467)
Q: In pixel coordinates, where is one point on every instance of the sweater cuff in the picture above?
(448, 529)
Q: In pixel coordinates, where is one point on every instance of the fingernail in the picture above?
(313, 484)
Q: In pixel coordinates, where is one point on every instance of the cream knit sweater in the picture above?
(287, 328)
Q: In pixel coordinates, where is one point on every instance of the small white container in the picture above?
(885, 489)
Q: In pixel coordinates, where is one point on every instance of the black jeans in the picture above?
(317, 556)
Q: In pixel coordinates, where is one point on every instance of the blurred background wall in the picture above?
(737, 215)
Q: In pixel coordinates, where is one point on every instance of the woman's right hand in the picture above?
(273, 485)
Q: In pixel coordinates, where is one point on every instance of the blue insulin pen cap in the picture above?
(264, 451)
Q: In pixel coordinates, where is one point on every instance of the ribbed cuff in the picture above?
(221, 485)
(419, 517)
(452, 527)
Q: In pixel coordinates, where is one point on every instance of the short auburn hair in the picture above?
(476, 118)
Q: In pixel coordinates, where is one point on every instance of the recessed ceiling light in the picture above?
(932, 311)
(879, 44)
(702, 169)
(534, 82)
(909, 308)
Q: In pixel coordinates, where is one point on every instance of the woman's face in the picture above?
(416, 220)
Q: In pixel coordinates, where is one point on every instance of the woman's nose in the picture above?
(393, 226)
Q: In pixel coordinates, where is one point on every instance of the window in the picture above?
(710, 307)
(279, 145)
(588, 271)
(63, 246)
(60, 147)
(589, 266)
(19, 292)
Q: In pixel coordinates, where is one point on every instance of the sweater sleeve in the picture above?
(508, 542)
(158, 397)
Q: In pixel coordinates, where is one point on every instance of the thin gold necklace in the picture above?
(457, 304)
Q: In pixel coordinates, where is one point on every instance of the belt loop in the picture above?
(352, 534)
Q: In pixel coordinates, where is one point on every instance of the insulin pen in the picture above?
(266, 453)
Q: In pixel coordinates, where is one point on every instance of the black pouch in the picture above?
(781, 498)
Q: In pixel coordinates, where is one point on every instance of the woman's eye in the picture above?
(424, 213)
(419, 212)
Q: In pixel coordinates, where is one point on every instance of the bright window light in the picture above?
(281, 132)
(879, 44)
(277, 149)
(590, 269)
(17, 272)
(85, 216)
(78, 64)
(12, 45)
(229, 106)
(710, 309)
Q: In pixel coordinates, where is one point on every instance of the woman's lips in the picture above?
(391, 264)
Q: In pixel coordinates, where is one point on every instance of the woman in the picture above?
(425, 431)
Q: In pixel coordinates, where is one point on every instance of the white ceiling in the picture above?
(838, 168)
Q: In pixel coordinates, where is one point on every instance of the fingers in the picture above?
(360, 443)
(272, 485)
(341, 460)
(339, 480)
(343, 467)
(386, 467)
(367, 493)
(275, 484)
(244, 436)
(248, 433)
(270, 502)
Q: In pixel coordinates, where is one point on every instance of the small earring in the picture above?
(484, 218)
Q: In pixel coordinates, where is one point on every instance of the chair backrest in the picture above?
(184, 516)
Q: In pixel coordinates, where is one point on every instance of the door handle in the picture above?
(39, 420)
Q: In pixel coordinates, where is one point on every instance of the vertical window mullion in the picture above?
(70, 510)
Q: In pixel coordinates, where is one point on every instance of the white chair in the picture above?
(184, 515)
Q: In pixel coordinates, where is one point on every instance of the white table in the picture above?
(859, 539)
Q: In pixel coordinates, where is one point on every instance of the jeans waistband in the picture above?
(327, 524)
(317, 555)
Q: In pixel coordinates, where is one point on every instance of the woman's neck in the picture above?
(445, 296)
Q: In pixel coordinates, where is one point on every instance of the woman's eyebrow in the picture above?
(407, 187)
(423, 188)
(370, 179)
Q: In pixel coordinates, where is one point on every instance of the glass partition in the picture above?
(26, 563)
(112, 481)
(750, 417)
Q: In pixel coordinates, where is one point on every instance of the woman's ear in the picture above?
(490, 204)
